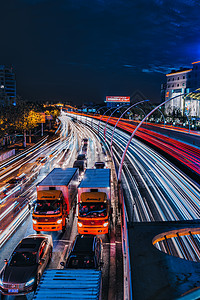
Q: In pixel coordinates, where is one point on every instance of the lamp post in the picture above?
(102, 117)
(95, 114)
(120, 119)
(133, 133)
(162, 115)
(110, 117)
(188, 121)
(87, 111)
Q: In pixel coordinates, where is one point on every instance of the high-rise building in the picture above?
(178, 83)
(7, 86)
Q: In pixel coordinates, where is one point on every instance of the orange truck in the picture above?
(55, 197)
(94, 202)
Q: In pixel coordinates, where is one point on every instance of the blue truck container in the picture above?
(70, 284)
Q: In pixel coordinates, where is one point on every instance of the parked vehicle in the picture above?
(55, 198)
(85, 253)
(94, 202)
(22, 272)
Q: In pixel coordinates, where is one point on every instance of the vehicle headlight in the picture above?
(30, 282)
(1, 282)
(105, 224)
(59, 221)
(80, 224)
(34, 221)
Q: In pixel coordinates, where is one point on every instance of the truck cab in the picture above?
(94, 213)
(49, 213)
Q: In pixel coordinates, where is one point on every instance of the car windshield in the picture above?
(48, 207)
(83, 262)
(92, 209)
(20, 259)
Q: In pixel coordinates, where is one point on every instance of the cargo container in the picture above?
(55, 197)
(94, 202)
(70, 284)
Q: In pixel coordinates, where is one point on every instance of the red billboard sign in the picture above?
(118, 99)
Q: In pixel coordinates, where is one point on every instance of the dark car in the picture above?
(99, 165)
(81, 157)
(80, 164)
(22, 272)
(13, 182)
(85, 141)
(84, 149)
(85, 253)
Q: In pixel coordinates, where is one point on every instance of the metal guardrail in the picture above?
(125, 250)
(192, 295)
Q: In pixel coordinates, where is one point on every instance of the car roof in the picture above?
(78, 163)
(30, 243)
(13, 180)
(84, 244)
(81, 155)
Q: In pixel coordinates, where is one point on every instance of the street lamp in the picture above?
(87, 111)
(110, 117)
(95, 114)
(102, 117)
(188, 121)
(120, 119)
(133, 133)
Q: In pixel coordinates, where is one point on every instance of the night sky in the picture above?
(84, 50)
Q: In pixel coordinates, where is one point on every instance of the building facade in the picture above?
(7, 86)
(181, 82)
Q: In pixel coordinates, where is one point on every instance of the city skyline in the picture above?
(83, 51)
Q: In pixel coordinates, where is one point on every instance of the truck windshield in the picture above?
(48, 207)
(92, 209)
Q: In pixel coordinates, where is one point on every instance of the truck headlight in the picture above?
(59, 221)
(105, 224)
(30, 282)
(34, 221)
(80, 224)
